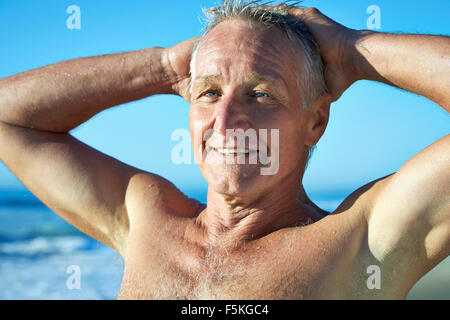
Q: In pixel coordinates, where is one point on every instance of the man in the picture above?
(259, 236)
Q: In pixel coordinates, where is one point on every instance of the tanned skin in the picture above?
(256, 238)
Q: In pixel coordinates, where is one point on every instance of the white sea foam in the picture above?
(38, 269)
(43, 246)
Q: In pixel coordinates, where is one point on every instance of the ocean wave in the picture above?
(47, 231)
(45, 246)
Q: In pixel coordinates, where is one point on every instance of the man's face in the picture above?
(247, 78)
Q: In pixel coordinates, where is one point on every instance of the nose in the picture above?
(230, 113)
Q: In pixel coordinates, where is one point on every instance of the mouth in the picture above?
(233, 151)
(231, 156)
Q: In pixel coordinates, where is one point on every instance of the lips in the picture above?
(229, 149)
(226, 151)
(231, 154)
(232, 151)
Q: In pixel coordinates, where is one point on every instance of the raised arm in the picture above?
(409, 212)
(39, 107)
(61, 96)
(413, 62)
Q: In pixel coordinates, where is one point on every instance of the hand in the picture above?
(178, 59)
(336, 44)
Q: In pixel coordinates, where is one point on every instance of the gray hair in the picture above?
(311, 81)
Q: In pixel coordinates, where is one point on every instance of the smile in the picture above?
(232, 151)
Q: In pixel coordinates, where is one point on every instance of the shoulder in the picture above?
(151, 197)
(403, 219)
(407, 215)
(412, 210)
(156, 210)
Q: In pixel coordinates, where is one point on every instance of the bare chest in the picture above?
(299, 263)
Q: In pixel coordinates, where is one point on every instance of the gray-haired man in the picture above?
(258, 236)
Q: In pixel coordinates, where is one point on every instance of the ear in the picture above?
(317, 119)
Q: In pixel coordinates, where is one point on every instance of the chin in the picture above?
(234, 180)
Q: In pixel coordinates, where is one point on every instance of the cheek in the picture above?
(200, 114)
(198, 119)
(291, 142)
(195, 128)
(200, 129)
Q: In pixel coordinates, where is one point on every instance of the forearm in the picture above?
(61, 96)
(416, 63)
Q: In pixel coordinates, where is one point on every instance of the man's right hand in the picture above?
(178, 58)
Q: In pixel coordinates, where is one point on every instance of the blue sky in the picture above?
(373, 128)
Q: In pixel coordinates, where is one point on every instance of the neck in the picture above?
(229, 221)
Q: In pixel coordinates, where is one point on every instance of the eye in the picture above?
(264, 99)
(262, 95)
(211, 94)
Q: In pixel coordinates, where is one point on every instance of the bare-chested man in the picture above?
(259, 236)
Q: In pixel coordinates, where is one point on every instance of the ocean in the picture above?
(44, 257)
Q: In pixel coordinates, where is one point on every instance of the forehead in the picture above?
(241, 47)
